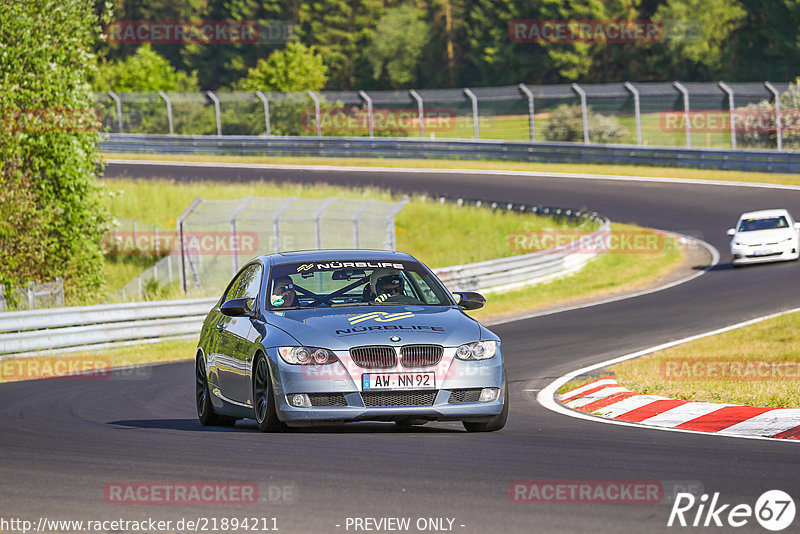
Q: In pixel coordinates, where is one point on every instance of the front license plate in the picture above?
(374, 381)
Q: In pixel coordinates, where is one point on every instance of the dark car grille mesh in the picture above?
(327, 399)
(398, 398)
(464, 395)
(420, 355)
(374, 357)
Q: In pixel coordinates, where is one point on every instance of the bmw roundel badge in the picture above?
(394, 338)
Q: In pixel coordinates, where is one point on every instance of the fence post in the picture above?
(391, 242)
(584, 111)
(2, 298)
(531, 123)
(265, 100)
(420, 111)
(179, 223)
(637, 111)
(276, 231)
(368, 100)
(234, 243)
(476, 130)
(214, 99)
(778, 129)
(60, 289)
(315, 98)
(729, 91)
(169, 111)
(118, 105)
(687, 119)
(318, 216)
(31, 296)
(356, 217)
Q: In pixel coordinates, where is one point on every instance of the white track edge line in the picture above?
(546, 397)
(416, 170)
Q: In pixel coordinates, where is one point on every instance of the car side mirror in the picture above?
(470, 300)
(731, 231)
(237, 308)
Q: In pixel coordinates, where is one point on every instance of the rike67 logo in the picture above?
(774, 510)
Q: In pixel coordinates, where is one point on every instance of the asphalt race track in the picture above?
(64, 441)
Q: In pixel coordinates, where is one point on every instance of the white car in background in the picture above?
(766, 235)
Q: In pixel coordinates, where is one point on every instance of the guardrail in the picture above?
(700, 158)
(27, 333)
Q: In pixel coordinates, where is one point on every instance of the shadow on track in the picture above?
(193, 425)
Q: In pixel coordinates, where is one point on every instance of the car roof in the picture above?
(338, 254)
(763, 214)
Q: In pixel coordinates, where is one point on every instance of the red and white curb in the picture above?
(605, 398)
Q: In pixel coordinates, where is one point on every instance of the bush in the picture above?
(566, 124)
(755, 126)
(52, 221)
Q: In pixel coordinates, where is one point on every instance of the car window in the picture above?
(347, 282)
(246, 285)
(769, 223)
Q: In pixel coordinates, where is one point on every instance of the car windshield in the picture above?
(769, 223)
(323, 284)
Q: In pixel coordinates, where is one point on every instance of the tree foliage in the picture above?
(566, 124)
(396, 46)
(145, 70)
(295, 68)
(52, 220)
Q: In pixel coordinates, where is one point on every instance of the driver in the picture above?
(386, 283)
(283, 293)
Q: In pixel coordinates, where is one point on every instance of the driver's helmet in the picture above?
(388, 281)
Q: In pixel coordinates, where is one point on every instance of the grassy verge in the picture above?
(758, 365)
(622, 170)
(481, 234)
(604, 275)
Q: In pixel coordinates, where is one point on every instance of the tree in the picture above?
(700, 31)
(295, 68)
(397, 44)
(341, 29)
(145, 70)
(53, 221)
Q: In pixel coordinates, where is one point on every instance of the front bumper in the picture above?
(741, 255)
(343, 381)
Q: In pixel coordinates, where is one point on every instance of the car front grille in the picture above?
(420, 355)
(458, 396)
(327, 399)
(374, 357)
(399, 398)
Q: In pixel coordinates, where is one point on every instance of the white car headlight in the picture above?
(478, 350)
(307, 355)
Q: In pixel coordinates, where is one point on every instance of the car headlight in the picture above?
(307, 355)
(478, 350)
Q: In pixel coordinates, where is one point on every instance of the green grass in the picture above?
(621, 170)
(607, 274)
(724, 368)
(476, 233)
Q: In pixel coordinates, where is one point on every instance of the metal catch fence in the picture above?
(679, 114)
(33, 296)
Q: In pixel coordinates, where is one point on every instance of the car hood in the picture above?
(763, 236)
(342, 328)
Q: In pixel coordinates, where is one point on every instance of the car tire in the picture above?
(263, 398)
(495, 423)
(205, 411)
